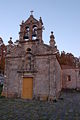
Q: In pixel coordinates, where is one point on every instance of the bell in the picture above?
(34, 35)
(26, 37)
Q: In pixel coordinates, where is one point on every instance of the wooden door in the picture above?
(27, 90)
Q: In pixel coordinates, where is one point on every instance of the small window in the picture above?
(28, 49)
(68, 78)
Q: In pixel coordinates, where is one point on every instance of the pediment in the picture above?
(31, 19)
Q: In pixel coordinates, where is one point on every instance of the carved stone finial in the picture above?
(41, 20)
(1, 41)
(52, 39)
(10, 41)
(22, 21)
(52, 36)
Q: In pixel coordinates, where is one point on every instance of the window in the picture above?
(68, 78)
(28, 49)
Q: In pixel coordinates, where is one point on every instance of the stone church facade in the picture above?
(32, 70)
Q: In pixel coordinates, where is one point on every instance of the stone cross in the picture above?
(31, 12)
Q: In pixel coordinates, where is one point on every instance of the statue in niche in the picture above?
(29, 60)
(28, 63)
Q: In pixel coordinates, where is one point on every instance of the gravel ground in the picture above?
(67, 108)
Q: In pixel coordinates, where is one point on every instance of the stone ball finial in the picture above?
(52, 35)
(52, 39)
(10, 38)
(52, 32)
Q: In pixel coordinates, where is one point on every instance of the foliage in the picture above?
(2, 58)
(66, 59)
(2, 64)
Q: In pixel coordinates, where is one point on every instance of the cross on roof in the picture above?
(31, 12)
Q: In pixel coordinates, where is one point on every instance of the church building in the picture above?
(32, 70)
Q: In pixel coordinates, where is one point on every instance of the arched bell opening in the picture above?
(26, 36)
(34, 32)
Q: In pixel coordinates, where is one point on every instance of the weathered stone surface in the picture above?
(70, 78)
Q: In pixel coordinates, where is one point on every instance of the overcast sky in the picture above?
(60, 16)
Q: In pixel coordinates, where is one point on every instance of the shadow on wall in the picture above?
(1, 83)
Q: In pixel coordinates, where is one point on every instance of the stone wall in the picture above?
(42, 76)
(12, 77)
(48, 77)
(69, 78)
(58, 79)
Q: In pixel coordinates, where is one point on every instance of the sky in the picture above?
(60, 16)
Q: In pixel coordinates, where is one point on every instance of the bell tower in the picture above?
(31, 29)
